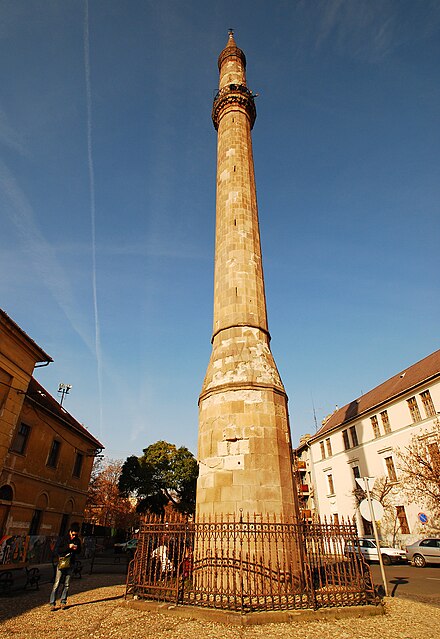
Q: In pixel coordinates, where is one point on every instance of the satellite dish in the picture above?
(377, 507)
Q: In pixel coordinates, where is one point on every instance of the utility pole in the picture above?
(364, 484)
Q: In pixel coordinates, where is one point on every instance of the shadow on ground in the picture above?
(21, 601)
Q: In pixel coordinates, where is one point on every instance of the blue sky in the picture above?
(107, 197)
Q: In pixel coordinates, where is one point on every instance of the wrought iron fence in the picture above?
(249, 564)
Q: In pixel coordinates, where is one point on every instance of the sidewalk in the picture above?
(108, 563)
(97, 610)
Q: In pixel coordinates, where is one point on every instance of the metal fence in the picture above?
(249, 565)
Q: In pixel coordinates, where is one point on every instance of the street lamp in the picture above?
(64, 390)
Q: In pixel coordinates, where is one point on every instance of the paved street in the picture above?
(420, 584)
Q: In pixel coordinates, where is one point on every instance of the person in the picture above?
(160, 554)
(70, 546)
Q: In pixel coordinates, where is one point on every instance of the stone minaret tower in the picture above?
(244, 445)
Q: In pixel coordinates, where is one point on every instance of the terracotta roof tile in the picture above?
(41, 396)
(410, 377)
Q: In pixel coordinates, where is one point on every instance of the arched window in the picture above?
(6, 493)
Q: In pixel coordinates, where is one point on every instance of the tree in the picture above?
(164, 474)
(384, 492)
(105, 505)
(419, 465)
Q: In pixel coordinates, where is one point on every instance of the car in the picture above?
(368, 550)
(128, 546)
(424, 551)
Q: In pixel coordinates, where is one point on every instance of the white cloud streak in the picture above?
(92, 205)
(45, 265)
(369, 30)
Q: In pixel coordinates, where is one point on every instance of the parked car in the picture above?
(368, 550)
(128, 546)
(425, 551)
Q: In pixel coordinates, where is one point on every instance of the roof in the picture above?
(44, 399)
(42, 356)
(410, 377)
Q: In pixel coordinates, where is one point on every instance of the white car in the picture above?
(390, 555)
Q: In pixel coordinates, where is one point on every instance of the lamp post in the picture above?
(64, 390)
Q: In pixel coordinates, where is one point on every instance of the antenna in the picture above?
(314, 416)
(63, 390)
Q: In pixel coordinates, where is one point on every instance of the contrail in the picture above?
(92, 204)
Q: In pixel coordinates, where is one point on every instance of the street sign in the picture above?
(377, 507)
(362, 481)
(423, 518)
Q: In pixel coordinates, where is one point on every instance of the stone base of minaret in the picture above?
(244, 435)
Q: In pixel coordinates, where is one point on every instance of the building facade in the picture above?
(367, 438)
(46, 455)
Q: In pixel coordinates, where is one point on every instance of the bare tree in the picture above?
(419, 466)
(384, 491)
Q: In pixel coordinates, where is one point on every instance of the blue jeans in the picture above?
(65, 575)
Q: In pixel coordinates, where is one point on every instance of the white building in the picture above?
(362, 439)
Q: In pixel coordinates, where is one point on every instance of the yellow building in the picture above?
(46, 456)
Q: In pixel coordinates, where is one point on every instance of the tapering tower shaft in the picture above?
(244, 435)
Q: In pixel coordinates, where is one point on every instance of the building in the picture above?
(46, 456)
(303, 473)
(363, 439)
(244, 444)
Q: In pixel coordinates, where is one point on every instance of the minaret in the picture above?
(244, 446)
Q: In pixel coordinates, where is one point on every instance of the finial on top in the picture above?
(231, 41)
(231, 49)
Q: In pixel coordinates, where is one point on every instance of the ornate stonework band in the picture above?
(233, 95)
(231, 52)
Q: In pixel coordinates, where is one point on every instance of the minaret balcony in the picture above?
(234, 94)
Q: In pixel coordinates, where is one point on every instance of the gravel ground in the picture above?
(97, 611)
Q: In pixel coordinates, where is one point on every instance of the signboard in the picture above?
(366, 482)
(364, 509)
(423, 518)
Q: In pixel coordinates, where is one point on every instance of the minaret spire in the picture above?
(244, 434)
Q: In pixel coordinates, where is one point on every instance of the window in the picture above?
(5, 384)
(391, 470)
(356, 472)
(354, 437)
(385, 422)
(6, 493)
(401, 516)
(78, 465)
(430, 543)
(375, 425)
(322, 450)
(414, 409)
(345, 439)
(331, 487)
(63, 525)
(54, 453)
(336, 519)
(366, 543)
(35, 522)
(329, 446)
(428, 404)
(20, 440)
